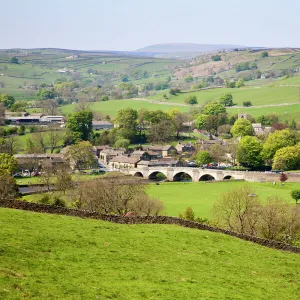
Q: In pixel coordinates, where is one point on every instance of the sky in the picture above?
(132, 24)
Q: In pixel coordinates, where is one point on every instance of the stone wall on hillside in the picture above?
(44, 208)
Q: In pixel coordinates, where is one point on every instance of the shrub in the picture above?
(104, 98)
(283, 177)
(247, 103)
(58, 202)
(264, 54)
(191, 100)
(296, 195)
(189, 214)
(45, 199)
(216, 57)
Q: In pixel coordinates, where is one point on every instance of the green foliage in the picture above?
(244, 66)
(192, 100)
(201, 121)
(278, 140)
(203, 158)
(296, 195)
(287, 158)
(247, 103)
(104, 98)
(213, 108)
(189, 214)
(249, 152)
(188, 78)
(80, 124)
(240, 83)
(242, 127)
(7, 100)
(45, 199)
(264, 54)
(268, 120)
(44, 94)
(124, 78)
(216, 58)
(58, 202)
(226, 100)
(127, 121)
(8, 164)
(122, 143)
(174, 91)
(230, 84)
(14, 60)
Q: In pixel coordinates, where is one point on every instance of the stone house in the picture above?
(260, 129)
(159, 163)
(107, 154)
(189, 147)
(102, 125)
(124, 162)
(163, 151)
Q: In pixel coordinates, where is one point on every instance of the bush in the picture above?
(247, 103)
(264, 54)
(58, 202)
(104, 98)
(216, 57)
(296, 195)
(191, 100)
(189, 214)
(45, 199)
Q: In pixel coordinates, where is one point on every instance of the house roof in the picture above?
(102, 123)
(126, 159)
(159, 147)
(113, 151)
(57, 155)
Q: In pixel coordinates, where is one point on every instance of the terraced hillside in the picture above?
(57, 257)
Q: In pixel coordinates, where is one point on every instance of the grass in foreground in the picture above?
(58, 257)
(177, 196)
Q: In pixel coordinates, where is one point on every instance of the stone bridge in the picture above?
(198, 174)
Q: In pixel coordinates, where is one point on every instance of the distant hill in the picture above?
(186, 47)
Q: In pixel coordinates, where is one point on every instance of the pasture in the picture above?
(201, 196)
(57, 257)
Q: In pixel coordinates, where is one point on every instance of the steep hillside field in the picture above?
(57, 257)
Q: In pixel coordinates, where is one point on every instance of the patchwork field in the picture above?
(57, 257)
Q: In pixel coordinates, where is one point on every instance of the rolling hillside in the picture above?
(72, 258)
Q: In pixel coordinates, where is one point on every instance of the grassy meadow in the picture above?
(57, 257)
(201, 196)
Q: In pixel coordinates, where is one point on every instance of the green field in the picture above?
(112, 107)
(266, 95)
(57, 257)
(201, 196)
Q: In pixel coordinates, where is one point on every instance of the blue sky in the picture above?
(132, 24)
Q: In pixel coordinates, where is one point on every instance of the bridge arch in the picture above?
(157, 175)
(182, 176)
(228, 177)
(138, 174)
(206, 177)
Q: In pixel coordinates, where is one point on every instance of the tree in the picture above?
(80, 123)
(237, 210)
(63, 179)
(188, 78)
(8, 164)
(226, 100)
(242, 127)
(213, 108)
(217, 152)
(216, 57)
(2, 114)
(283, 177)
(44, 94)
(264, 54)
(287, 158)
(174, 91)
(49, 107)
(8, 188)
(104, 98)
(179, 119)
(203, 158)
(81, 155)
(127, 121)
(278, 140)
(40, 140)
(162, 132)
(122, 143)
(249, 152)
(55, 136)
(240, 83)
(7, 100)
(296, 195)
(247, 103)
(233, 147)
(14, 60)
(192, 100)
